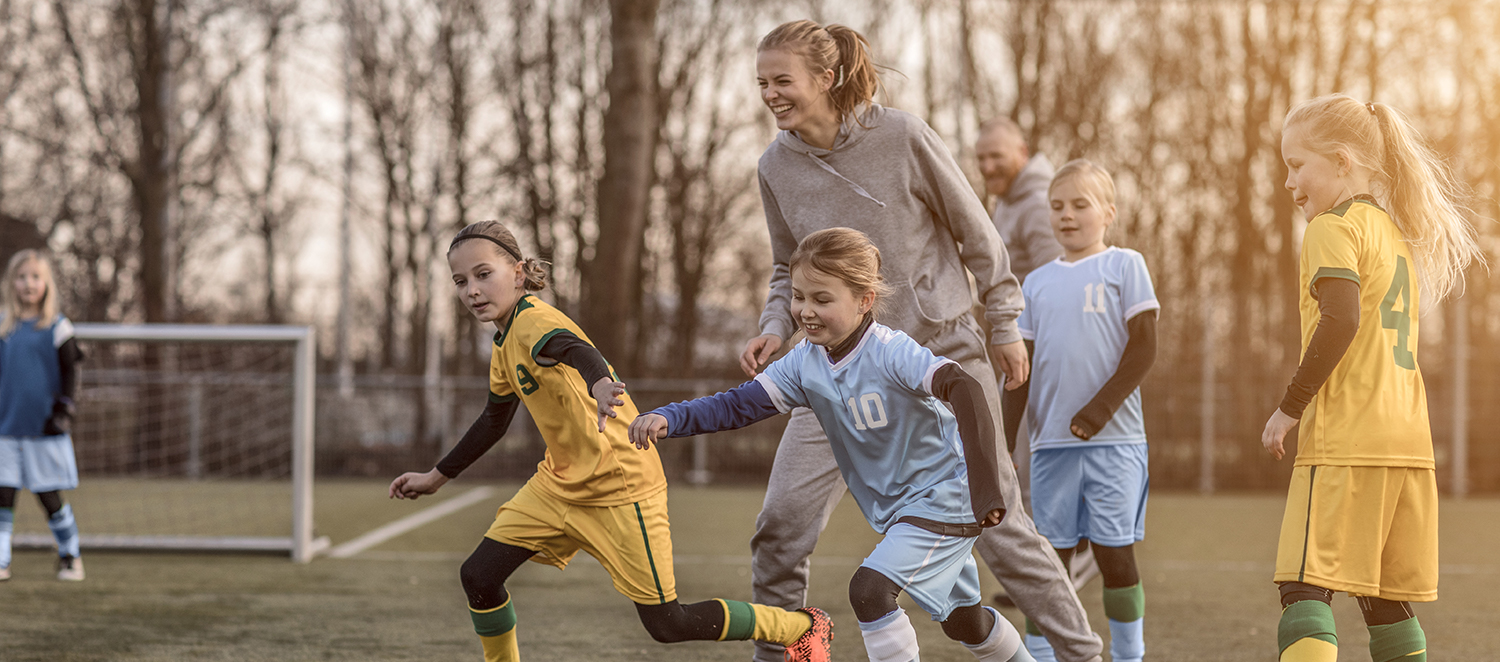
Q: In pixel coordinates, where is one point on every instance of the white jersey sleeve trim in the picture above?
(1138, 309)
(932, 370)
(61, 332)
(770, 385)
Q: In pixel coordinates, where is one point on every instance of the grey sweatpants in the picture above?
(805, 485)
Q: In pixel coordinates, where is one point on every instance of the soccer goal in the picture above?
(193, 438)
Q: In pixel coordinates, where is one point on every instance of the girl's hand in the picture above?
(607, 392)
(759, 350)
(992, 518)
(411, 484)
(1275, 432)
(646, 429)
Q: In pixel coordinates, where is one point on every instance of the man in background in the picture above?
(1018, 181)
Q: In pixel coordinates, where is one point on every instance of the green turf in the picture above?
(1206, 564)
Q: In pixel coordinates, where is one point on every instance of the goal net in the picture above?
(192, 437)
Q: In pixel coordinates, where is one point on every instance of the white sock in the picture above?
(1002, 645)
(1040, 648)
(1127, 641)
(890, 638)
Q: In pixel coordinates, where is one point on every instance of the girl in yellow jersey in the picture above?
(593, 491)
(1387, 231)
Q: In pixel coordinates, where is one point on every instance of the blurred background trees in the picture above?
(188, 160)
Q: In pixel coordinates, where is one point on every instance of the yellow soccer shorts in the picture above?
(633, 541)
(1369, 531)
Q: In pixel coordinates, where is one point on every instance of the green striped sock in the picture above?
(1307, 619)
(1403, 641)
(739, 620)
(494, 622)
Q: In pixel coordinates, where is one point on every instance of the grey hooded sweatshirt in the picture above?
(894, 180)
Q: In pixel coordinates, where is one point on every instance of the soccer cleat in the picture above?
(69, 569)
(815, 645)
(4, 574)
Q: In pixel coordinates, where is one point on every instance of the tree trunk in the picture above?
(630, 129)
(151, 178)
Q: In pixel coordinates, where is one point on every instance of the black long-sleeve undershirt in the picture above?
(68, 358)
(564, 348)
(1338, 322)
(976, 428)
(1135, 361)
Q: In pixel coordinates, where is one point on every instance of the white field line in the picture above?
(412, 521)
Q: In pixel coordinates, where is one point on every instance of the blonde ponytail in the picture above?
(1428, 203)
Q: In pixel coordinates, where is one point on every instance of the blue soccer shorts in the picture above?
(1093, 492)
(937, 571)
(38, 464)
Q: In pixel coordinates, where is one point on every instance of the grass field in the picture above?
(1206, 563)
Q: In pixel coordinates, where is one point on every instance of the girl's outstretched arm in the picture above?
(733, 409)
(570, 350)
(976, 427)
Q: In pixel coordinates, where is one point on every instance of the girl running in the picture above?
(843, 160)
(928, 479)
(1387, 230)
(1091, 315)
(592, 491)
(38, 381)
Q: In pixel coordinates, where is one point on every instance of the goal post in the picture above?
(192, 437)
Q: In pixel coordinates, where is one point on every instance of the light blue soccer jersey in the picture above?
(1077, 313)
(896, 444)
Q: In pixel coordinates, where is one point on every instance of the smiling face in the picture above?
(797, 97)
(1317, 182)
(826, 307)
(1001, 155)
(30, 284)
(488, 282)
(1078, 220)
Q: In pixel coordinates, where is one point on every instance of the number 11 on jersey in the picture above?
(1093, 298)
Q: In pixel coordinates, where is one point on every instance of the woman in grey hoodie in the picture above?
(842, 160)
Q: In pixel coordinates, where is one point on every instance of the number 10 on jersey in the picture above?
(868, 411)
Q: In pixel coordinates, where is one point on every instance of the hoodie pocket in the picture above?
(904, 312)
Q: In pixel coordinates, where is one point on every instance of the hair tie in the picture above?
(508, 250)
(840, 83)
(1371, 107)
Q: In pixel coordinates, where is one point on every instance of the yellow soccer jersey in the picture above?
(1372, 411)
(582, 466)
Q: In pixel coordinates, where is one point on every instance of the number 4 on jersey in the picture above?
(1399, 320)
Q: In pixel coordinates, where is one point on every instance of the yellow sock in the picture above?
(497, 632)
(779, 625)
(1310, 650)
(501, 648)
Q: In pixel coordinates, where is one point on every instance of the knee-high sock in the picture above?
(1126, 609)
(890, 638)
(1037, 644)
(7, 525)
(746, 620)
(1306, 633)
(1398, 642)
(497, 632)
(65, 530)
(1002, 645)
